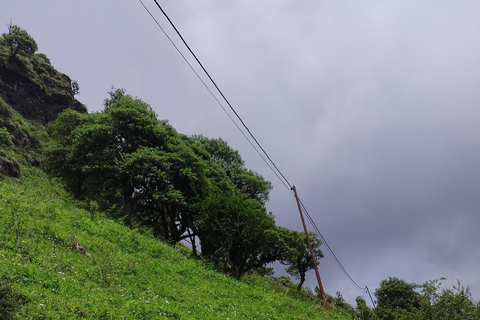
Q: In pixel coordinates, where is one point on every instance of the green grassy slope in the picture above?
(129, 275)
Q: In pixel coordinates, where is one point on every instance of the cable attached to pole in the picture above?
(314, 261)
(368, 291)
(270, 162)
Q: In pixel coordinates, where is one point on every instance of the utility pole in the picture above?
(311, 250)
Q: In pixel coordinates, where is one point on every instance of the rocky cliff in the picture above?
(32, 86)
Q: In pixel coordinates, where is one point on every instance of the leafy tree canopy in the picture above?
(231, 163)
(118, 157)
(452, 304)
(19, 41)
(140, 168)
(293, 251)
(362, 311)
(234, 230)
(396, 299)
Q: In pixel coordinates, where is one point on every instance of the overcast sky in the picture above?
(370, 108)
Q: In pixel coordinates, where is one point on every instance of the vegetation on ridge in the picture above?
(123, 163)
(126, 161)
(28, 81)
(81, 239)
(130, 274)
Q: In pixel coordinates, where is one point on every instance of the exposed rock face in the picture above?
(29, 86)
(35, 89)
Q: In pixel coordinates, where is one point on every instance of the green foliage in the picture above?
(20, 142)
(446, 303)
(19, 41)
(362, 311)
(126, 159)
(10, 300)
(284, 280)
(232, 165)
(5, 111)
(293, 251)
(5, 139)
(397, 299)
(179, 187)
(234, 231)
(130, 275)
(231, 220)
(337, 303)
(43, 59)
(28, 81)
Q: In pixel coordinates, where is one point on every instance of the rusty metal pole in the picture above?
(311, 250)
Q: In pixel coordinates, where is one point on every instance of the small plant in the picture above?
(75, 87)
(10, 300)
(5, 138)
(44, 58)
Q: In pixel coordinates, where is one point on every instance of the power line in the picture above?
(270, 162)
(364, 290)
(368, 291)
(223, 96)
(277, 172)
(330, 249)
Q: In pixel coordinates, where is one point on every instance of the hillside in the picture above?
(33, 87)
(95, 209)
(69, 255)
(130, 275)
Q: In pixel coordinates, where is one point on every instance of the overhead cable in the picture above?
(288, 185)
(270, 162)
(330, 249)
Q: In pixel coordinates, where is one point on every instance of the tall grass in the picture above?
(130, 275)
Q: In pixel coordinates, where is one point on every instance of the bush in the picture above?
(5, 138)
(5, 110)
(10, 300)
(19, 41)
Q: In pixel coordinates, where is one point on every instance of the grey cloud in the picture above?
(371, 110)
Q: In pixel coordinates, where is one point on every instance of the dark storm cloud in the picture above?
(371, 110)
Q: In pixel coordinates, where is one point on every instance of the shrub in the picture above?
(5, 138)
(19, 41)
(10, 300)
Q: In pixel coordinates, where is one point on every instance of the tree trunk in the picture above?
(302, 281)
(127, 209)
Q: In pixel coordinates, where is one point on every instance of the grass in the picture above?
(131, 275)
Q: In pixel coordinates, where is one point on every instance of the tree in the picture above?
(451, 304)
(397, 299)
(107, 156)
(362, 311)
(234, 231)
(294, 252)
(233, 166)
(19, 41)
(232, 224)
(181, 187)
(185, 184)
(125, 157)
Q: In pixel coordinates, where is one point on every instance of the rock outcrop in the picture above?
(31, 86)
